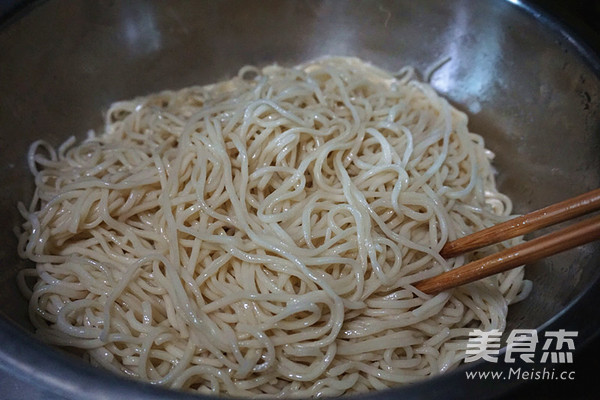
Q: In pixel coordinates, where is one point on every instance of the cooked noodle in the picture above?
(260, 236)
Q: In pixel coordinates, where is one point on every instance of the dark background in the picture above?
(582, 19)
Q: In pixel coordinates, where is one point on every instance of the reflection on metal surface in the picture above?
(478, 83)
(140, 32)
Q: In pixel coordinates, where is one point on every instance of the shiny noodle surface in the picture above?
(259, 236)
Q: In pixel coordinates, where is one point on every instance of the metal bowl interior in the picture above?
(529, 88)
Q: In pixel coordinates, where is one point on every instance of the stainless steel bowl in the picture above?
(529, 87)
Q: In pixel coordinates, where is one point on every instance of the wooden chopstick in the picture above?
(527, 223)
(527, 252)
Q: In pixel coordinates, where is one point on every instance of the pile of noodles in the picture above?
(260, 236)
